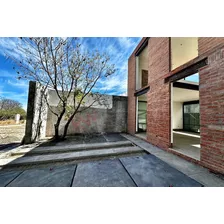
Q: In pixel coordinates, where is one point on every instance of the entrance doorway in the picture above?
(185, 116)
(141, 116)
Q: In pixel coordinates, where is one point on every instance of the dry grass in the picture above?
(10, 122)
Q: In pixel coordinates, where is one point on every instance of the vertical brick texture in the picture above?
(131, 90)
(158, 97)
(207, 43)
(212, 111)
(131, 97)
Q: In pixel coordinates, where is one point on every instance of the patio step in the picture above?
(70, 148)
(88, 155)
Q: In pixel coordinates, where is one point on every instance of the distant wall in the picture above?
(94, 120)
(108, 116)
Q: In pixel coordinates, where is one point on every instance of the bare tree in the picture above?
(9, 104)
(60, 64)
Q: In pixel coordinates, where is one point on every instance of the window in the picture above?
(144, 78)
(191, 117)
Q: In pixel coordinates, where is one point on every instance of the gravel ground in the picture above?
(11, 134)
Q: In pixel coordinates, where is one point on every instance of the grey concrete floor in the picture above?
(187, 144)
(196, 172)
(159, 169)
(141, 135)
(133, 171)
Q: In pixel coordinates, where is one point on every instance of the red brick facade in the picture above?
(212, 111)
(131, 90)
(207, 43)
(131, 98)
(158, 97)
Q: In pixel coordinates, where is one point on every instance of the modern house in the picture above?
(176, 97)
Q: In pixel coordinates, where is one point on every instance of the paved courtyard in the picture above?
(141, 171)
(108, 160)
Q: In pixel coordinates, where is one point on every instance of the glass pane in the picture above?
(193, 78)
(191, 117)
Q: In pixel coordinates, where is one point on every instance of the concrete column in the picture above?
(30, 113)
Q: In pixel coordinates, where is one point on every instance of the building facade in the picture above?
(176, 97)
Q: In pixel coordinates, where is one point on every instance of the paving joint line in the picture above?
(128, 173)
(14, 178)
(73, 175)
(105, 138)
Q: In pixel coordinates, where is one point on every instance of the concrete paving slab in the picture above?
(45, 177)
(114, 137)
(76, 139)
(94, 139)
(208, 179)
(106, 173)
(182, 165)
(70, 148)
(7, 176)
(149, 171)
(195, 171)
(143, 144)
(59, 157)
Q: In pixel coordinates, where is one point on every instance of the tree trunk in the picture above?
(56, 132)
(66, 125)
(56, 126)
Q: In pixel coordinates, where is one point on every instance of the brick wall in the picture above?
(207, 43)
(158, 107)
(94, 120)
(131, 90)
(131, 98)
(212, 111)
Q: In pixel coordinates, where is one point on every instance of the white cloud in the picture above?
(126, 42)
(9, 47)
(116, 83)
(19, 83)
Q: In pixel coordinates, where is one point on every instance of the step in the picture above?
(70, 148)
(69, 156)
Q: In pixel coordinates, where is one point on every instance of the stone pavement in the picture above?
(141, 171)
(196, 172)
(74, 149)
(156, 168)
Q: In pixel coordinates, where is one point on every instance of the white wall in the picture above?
(184, 95)
(177, 115)
(183, 49)
(105, 101)
(141, 64)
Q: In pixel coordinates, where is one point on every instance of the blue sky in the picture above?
(119, 50)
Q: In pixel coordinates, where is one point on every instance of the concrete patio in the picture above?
(141, 171)
(187, 144)
(133, 162)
